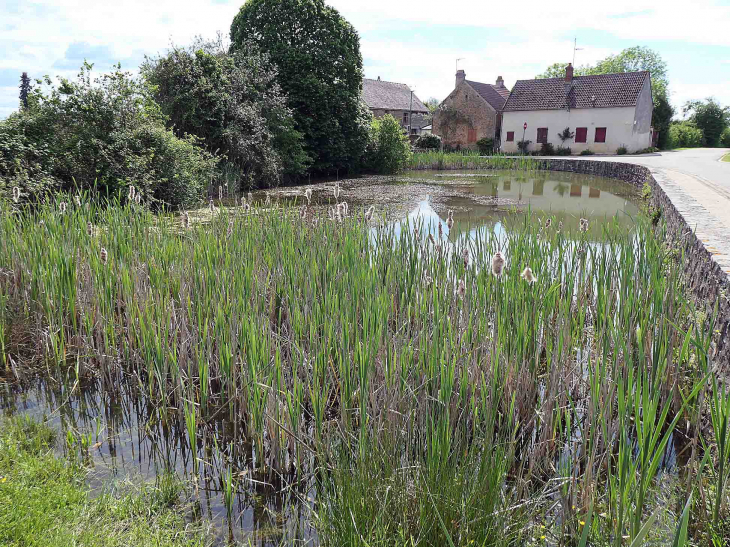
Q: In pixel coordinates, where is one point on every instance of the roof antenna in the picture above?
(457, 62)
(575, 48)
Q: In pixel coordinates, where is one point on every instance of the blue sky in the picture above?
(412, 41)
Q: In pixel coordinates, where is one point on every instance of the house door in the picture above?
(472, 136)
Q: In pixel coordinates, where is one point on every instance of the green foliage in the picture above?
(710, 117)
(233, 103)
(25, 89)
(547, 149)
(566, 135)
(524, 145)
(317, 53)
(448, 120)
(621, 150)
(485, 145)
(587, 152)
(101, 135)
(429, 142)
(684, 135)
(390, 149)
(563, 151)
(725, 138)
(648, 150)
(661, 118)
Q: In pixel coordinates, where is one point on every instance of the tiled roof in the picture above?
(492, 94)
(600, 91)
(390, 96)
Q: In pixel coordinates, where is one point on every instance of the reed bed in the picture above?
(467, 159)
(419, 390)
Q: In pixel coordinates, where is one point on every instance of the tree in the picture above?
(233, 103)
(24, 89)
(710, 117)
(557, 70)
(390, 148)
(317, 53)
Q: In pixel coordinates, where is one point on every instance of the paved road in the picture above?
(698, 184)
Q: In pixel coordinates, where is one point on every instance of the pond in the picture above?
(129, 437)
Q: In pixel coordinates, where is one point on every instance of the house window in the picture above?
(581, 134)
(542, 135)
(600, 134)
(510, 136)
(472, 137)
(405, 118)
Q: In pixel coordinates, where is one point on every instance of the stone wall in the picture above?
(477, 114)
(705, 277)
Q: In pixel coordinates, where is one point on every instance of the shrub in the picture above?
(725, 138)
(563, 151)
(100, 135)
(429, 142)
(621, 150)
(566, 135)
(389, 149)
(523, 146)
(649, 150)
(587, 152)
(685, 135)
(547, 149)
(485, 145)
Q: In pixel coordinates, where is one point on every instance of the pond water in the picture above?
(129, 438)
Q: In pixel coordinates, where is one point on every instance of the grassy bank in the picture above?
(726, 157)
(423, 392)
(467, 159)
(44, 501)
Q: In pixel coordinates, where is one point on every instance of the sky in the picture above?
(416, 42)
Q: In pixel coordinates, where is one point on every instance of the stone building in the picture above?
(601, 112)
(397, 100)
(471, 112)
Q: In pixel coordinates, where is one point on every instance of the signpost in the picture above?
(524, 146)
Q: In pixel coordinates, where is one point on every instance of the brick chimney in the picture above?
(460, 77)
(500, 81)
(569, 73)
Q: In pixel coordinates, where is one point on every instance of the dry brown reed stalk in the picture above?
(103, 255)
(498, 263)
(528, 276)
(450, 220)
(16, 194)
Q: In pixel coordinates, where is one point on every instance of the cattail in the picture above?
(16, 194)
(528, 276)
(308, 195)
(315, 221)
(303, 213)
(427, 280)
(103, 255)
(77, 200)
(62, 207)
(186, 220)
(461, 289)
(345, 208)
(267, 201)
(497, 264)
(431, 239)
(548, 223)
(336, 191)
(450, 220)
(250, 197)
(340, 211)
(441, 232)
(560, 226)
(130, 197)
(331, 213)
(584, 225)
(229, 233)
(246, 207)
(90, 229)
(138, 198)
(369, 213)
(465, 256)
(220, 192)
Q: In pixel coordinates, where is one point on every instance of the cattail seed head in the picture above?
(584, 225)
(90, 229)
(62, 207)
(267, 201)
(427, 280)
(498, 264)
(211, 206)
(461, 289)
(77, 200)
(465, 256)
(220, 192)
(229, 233)
(431, 239)
(548, 223)
(560, 226)
(528, 276)
(130, 196)
(369, 213)
(186, 220)
(138, 198)
(103, 255)
(336, 191)
(345, 208)
(450, 220)
(441, 232)
(16, 194)
(250, 197)
(308, 195)
(246, 207)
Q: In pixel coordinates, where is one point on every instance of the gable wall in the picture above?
(619, 124)
(480, 114)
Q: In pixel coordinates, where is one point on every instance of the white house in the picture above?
(604, 112)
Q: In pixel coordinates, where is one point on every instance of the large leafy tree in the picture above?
(632, 59)
(317, 53)
(233, 103)
(710, 117)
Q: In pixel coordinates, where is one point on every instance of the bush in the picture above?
(389, 149)
(485, 146)
(649, 150)
(523, 146)
(100, 135)
(563, 151)
(685, 135)
(547, 149)
(429, 142)
(621, 150)
(587, 152)
(725, 138)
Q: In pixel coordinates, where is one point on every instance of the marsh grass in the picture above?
(471, 408)
(467, 159)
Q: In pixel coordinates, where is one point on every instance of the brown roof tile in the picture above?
(599, 91)
(390, 96)
(492, 94)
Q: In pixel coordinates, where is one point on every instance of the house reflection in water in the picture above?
(537, 187)
(576, 190)
(594, 193)
(507, 185)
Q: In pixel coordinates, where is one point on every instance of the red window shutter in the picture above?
(542, 134)
(472, 135)
(510, 136)
(600, 134)
(581, 134)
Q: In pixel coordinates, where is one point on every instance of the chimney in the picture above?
(378, 78)
(500, 81)
(460, 77)
(569, 73)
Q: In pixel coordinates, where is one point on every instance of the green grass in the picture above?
(421, 398)
(726, 157)
(44, 501)
(469, 159)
